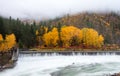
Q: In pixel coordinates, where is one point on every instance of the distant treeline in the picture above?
(107, 24)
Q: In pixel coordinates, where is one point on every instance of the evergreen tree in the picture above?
(2, 28)
(59, 35)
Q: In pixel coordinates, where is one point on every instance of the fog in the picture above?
(38, 9)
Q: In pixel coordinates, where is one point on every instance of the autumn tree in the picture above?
(70, 35)
(39, 34)
(91, 38)
(10, 41)
(51, 38)
(100, 40)
(73, 36)
(1, 43)
(7, 43)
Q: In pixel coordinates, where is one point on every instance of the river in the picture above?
(61, 65)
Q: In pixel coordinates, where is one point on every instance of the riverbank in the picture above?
(68, 49)
(8, 59)
(9, 65)
(107, 47)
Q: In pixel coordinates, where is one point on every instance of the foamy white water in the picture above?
(65, 66)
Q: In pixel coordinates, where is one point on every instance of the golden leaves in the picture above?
(72, 36)
(92, 38)
(51, 37)
(68, 32)
(36, 32)
(8, 43)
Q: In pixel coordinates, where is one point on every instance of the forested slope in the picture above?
(106, 24)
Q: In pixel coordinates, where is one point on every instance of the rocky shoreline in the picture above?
(8, 59)
(8, 66)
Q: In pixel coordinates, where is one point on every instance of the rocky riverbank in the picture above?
(8, 65)
(8, 59)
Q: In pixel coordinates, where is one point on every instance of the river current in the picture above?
(58, 65)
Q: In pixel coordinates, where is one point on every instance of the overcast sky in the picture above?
(38, 9)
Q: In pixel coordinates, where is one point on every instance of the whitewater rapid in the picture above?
(81, 65)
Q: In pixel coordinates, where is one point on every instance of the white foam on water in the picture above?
(45, 65)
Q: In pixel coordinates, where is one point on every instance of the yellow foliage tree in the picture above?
(92, 38)
(39, 34)
(8, 43)
(51, 38)
(72, 36)
(100, 40)
(1, 38)
(70, 32)
(1, 42)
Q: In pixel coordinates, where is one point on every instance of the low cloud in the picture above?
(38, 9)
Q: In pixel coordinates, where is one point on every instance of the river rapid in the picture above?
(61, 65)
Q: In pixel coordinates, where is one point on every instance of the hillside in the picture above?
(107, 24)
